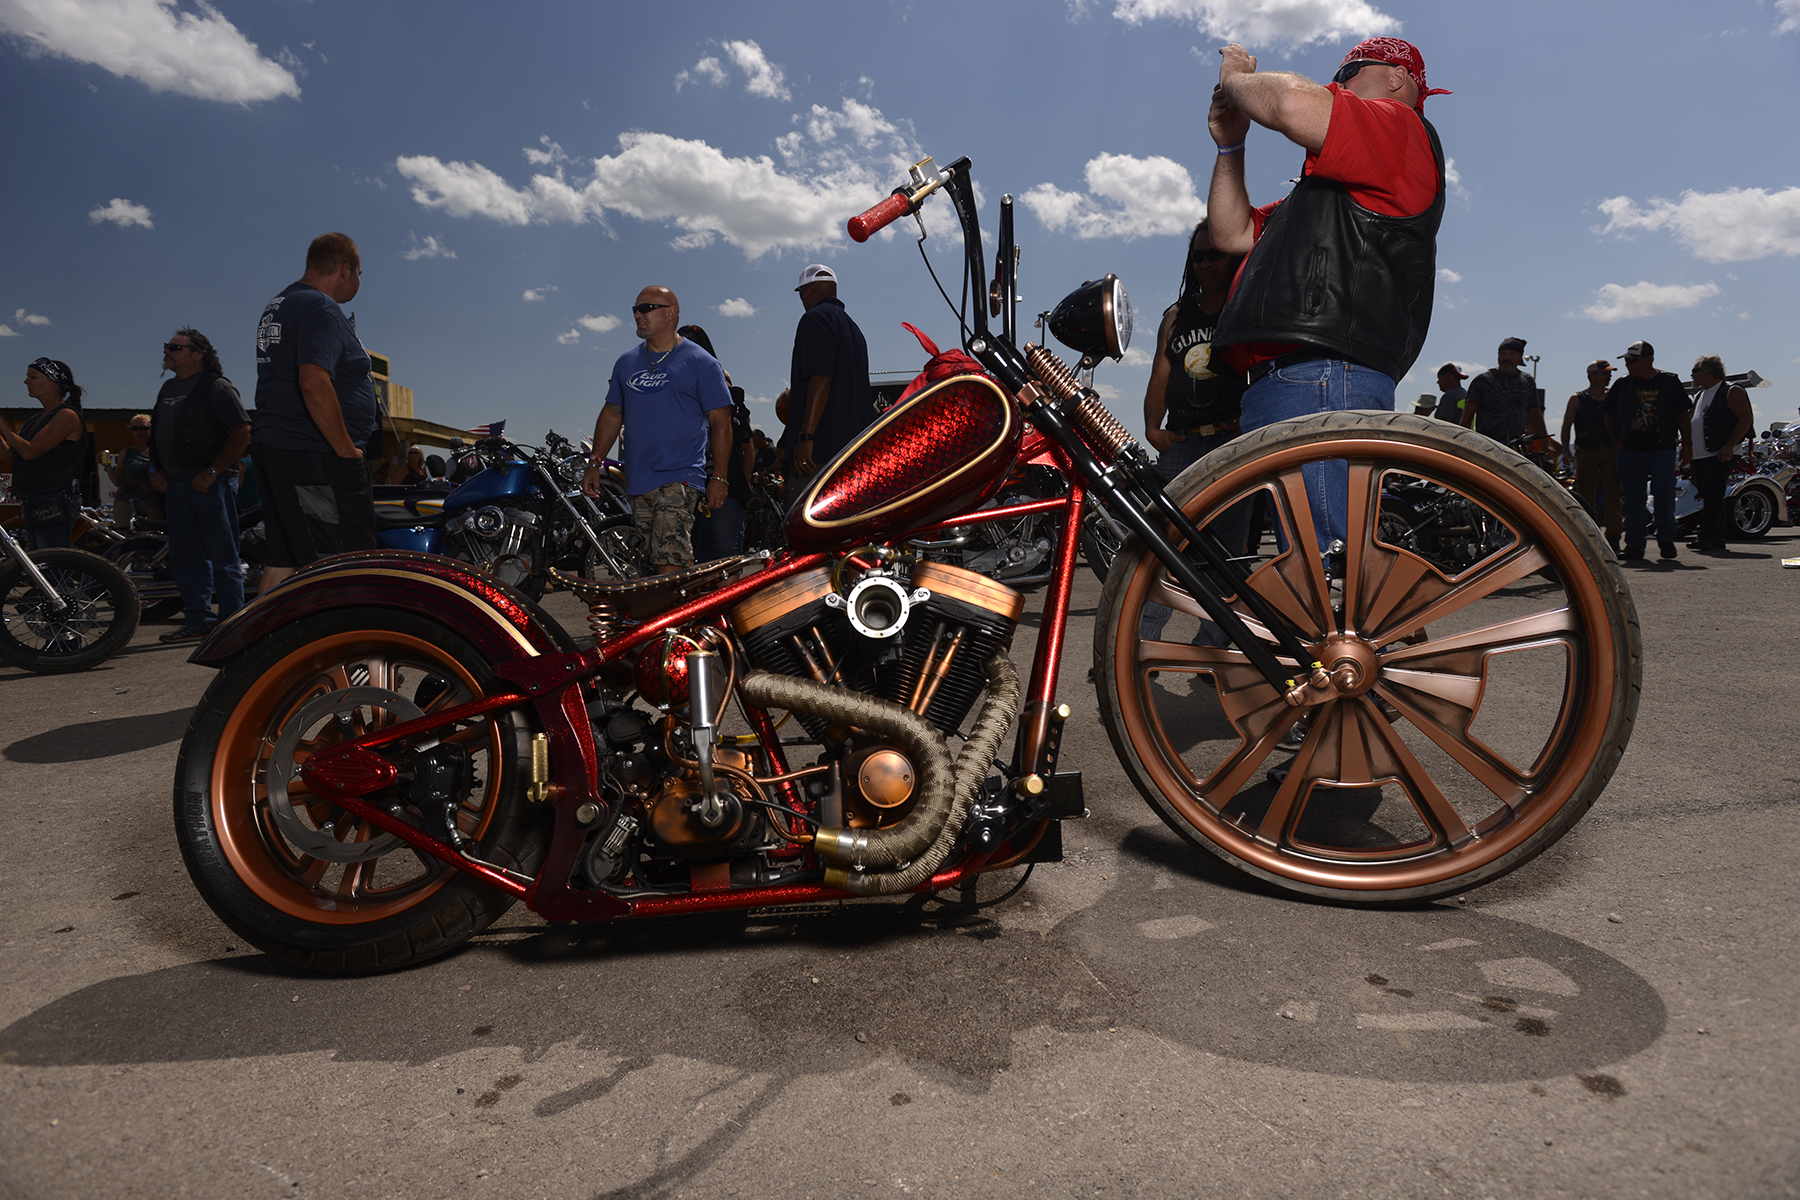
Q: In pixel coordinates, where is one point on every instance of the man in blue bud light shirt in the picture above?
(315, 407)
(670, 397)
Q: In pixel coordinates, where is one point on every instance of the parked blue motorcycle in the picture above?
(521, 515)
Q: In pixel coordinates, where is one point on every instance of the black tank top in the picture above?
(1202, 390)
(57, 469)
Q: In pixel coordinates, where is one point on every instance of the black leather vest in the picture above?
(1329, 273)
(1719, 420)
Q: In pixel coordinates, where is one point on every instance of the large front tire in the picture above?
(303, 879)
(98, 618)
(1495, 698)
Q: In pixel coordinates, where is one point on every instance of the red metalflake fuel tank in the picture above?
(940, 453)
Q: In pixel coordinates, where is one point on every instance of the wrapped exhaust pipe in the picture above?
(900, 858)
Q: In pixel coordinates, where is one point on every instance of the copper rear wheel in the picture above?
(1492, 700)
(296, 874)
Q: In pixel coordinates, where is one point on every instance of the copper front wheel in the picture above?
(1491, 698)
(301, 877)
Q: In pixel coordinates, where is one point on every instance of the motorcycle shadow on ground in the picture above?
(1439, 993)
(1435, 994)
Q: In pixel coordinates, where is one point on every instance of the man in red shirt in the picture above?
(1331, 307)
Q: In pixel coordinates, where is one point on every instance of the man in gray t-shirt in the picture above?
(1504, 402)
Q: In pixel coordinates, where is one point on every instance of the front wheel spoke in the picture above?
(1447, 725)
(1509, 570)
(358, 879)
(1399, 762)
(1552, 625)
(1359, 531)
(313, 871)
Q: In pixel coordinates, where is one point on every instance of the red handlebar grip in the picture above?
(888, 211)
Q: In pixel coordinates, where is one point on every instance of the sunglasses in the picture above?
(140, 429)
(1348, 71)
(172, 347)
(1208, 256)
(645, 309)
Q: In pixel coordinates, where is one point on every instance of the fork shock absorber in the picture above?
(1088, 414)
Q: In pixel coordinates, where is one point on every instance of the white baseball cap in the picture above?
(814, 274)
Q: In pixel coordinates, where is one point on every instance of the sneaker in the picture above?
(183, 635)
(1667, 550)
(1631, 554)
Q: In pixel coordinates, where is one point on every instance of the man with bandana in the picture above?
(1331, 307)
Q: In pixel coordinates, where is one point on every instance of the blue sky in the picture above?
(515, 173)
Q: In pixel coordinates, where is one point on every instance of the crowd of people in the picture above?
(690, 453)
(1315, 303)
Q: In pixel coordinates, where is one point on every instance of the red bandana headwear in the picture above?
(1399, 53)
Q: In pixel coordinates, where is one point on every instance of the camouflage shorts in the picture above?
(665, 518)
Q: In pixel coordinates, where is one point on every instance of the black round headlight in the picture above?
(1094, 320)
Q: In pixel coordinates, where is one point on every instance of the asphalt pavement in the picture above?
(1617, 1018)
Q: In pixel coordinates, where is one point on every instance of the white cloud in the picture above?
(1728, 226)
(764, 77)
(1148, 197)
(198, 54)
(1285, 23)
(429, 248)
(1136, 356)
(9, 331)
(538, 293)
(602, 324)
(569, 338)
(708, 68)
(549, 155)
(737, 308)
(122, 213)
(1790, 16)
(1446, 275)
(1453, 179)
(1615, 302)
(30, 318)
(704, 194)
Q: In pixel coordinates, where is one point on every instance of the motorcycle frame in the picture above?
(552, 685)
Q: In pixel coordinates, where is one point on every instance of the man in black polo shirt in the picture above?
(1646, 413)
(829, 379)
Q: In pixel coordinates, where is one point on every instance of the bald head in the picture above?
(657, 326)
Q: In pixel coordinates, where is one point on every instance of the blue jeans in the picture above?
(1657, 469)
(1306, 389)
(203, 549)
(721, 533)
(1231, 527)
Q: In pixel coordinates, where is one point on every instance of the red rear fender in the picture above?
(494, 618)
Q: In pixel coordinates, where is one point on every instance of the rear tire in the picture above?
(302, 879)
(1493, 703)
(101, 616)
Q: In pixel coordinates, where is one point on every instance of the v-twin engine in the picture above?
(922, 640)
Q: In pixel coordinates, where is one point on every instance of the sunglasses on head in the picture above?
(646, 309)
(1348, 71)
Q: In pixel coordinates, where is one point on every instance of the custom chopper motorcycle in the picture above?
(61, 610)
(397, 747)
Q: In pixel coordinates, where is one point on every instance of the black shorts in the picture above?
(314, 504)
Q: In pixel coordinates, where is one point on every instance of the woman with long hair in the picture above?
(50, 454)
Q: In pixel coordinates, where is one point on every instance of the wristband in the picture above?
(1234, 149)
(806, 437)
(720, 478)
